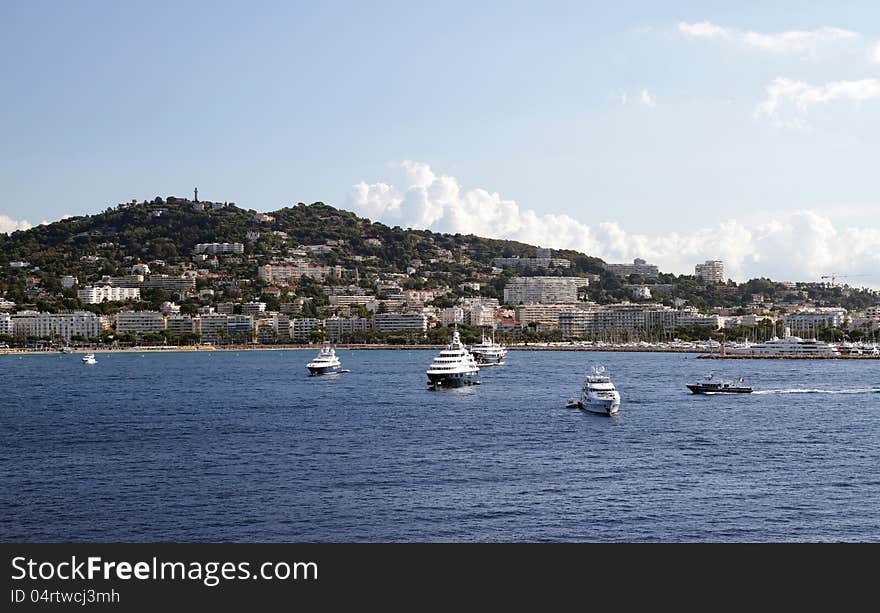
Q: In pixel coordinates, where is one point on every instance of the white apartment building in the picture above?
(809, 321)
(183, 324)
(6, 326)
(100, 293)
(303, 327)
(214, 327)
(397, 322)
(23, 323)
(710, 271)
(341, 300)
(180, 285)
(283, 274)
(628, 317)
(452, 315)
(479, 315)
(253, 308)
(638, 267)
(546, 313)
(281, 326)
(240, 326)
(219, 248)
(547, 290)
(67, 325)
(139, 322)
(339, 327)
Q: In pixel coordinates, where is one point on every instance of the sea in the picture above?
(244, 446)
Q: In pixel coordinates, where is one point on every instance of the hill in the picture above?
(163, 233)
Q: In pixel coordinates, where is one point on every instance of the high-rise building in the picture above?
(710, 271)
(548, 290)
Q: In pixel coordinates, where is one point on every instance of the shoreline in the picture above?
(700, 354)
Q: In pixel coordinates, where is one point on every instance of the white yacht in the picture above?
(788, 346)
(325, 362)
(598, 394)
(454, 366)
(89, 358)
(488, 352)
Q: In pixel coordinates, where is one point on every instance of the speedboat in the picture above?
(488, 352)
(598, 394)
(325, 363)
(89, 358)
(454, 366)
(712, 386)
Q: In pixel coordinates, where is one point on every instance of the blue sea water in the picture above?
(245, 446)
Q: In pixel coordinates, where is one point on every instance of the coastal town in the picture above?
(270, 289)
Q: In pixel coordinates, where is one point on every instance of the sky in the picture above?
(675, 131)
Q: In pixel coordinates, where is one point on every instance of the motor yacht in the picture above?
(325, 363)
(598, 394)
(454, 366)
(710, 385)
(488, 352)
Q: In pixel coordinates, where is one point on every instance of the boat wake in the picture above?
(861, 390)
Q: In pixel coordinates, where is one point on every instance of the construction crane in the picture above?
(834, 276)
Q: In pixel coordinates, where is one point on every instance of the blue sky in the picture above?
(674, 131)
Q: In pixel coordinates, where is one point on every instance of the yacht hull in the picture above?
(322, 370)
(699, 389)
(447, 380)
(602, 407)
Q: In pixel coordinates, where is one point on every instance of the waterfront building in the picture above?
(281, 326)
(809, 321)
(214, 328)
(183, 324)
(547, 290)
(98, 294)
(547, 313)
(303, 327)
(396, 322)
(631, 318)
(639, 267)
(240, 327)
(710, 271)
(6, 327)
(139, 322)
(336, 328)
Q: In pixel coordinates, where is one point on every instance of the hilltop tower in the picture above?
(196, 194)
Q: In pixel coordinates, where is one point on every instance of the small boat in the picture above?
(89, 358)
(488, 352)
(712, 386)
(325, 363)
(454, 366)
(598, 394)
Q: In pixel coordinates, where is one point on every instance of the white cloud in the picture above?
(801, 245)
(875, 54)
(647, 99)
(783, 94)
(8, 225)
(791, 41)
